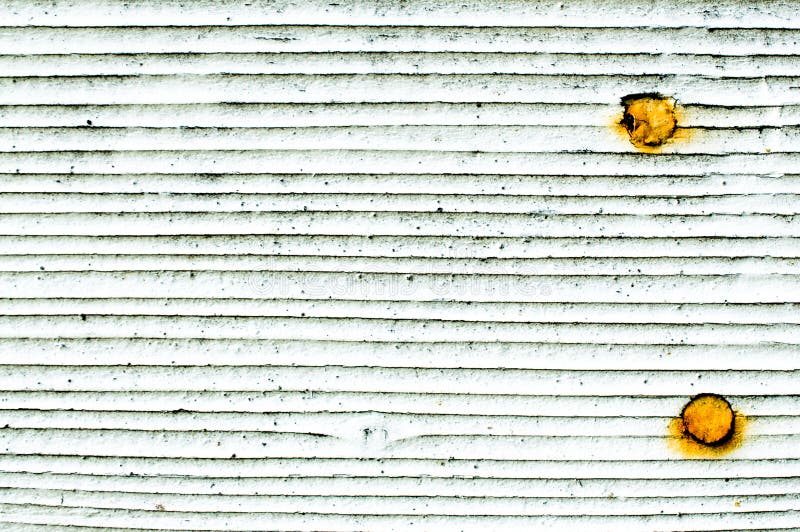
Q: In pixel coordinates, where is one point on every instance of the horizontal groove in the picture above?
(259, 445)
(379, 75)
(390, 486)
(389, 329)
(366, 317)
(613, 106)
(478, 186)
(397, 224)
(371, 162)
(25, 527)
(480, 343)
(499, 371)
(461, 500)
(553, 205)
(64, 418)
(385, 88)
(419, 480)
(331, 378)
(251, 470)
(721, 464)
(245, 36)
(360, 425)
(96, 506)
(397, 62)
(61, 431)
(565, 266)
(389, 272)
(291, 522)
(508, 288)
(477, 499)
(462, 138)
(385, 329)
(512, 140)
(391, 402)
(456, 312)
(374, 114)
(420, 247)
(334, 369)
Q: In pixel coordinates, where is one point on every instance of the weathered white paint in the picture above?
(283, 265)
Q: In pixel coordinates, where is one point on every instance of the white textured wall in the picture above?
(381, 265)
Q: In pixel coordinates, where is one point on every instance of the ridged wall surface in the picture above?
(309, 265)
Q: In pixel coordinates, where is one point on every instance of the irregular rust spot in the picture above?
(708, 427)
(649, 121)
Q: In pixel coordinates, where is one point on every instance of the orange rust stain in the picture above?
(650, 122)
(709, 419)
(707, 428)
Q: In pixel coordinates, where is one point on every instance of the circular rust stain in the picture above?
(649, 119)
(709, 419)
(707, 428)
